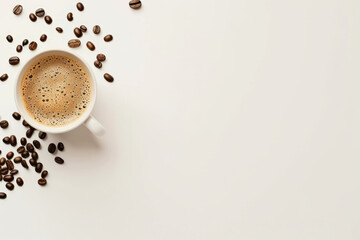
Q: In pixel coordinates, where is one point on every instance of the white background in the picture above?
(227, 120)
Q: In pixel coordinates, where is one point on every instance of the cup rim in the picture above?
(34, 123)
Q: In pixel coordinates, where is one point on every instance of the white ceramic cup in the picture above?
(85, 119)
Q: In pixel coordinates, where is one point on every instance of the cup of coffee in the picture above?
(55, 92)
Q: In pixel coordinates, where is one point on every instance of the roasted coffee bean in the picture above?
(1, 177)
(33, 46)
(38, 167)
(6, 140)
(4, 77)
(4, 124)
(17, 160)
(90, 46)
(23, 141)
(19, 48)
(74, 43)
(30, 147)
(4, 170)
(8, 178)
(17, 9)
(9, 38)
(108, 38)
(25, 154)
(52, 148)
(25, 123)
(14, 60)
(83, 28)
(9, 155)
(24, 164)
(59, 160)
(2, 195)
(44, 174)
(32, 17)
(101, 57)
(25, 42)
(36, 144)
(19, 181)
(10, 186)
(43, 38)
(80, 6)
(16, 116)
(29, 132)
(20, 149)
(108, 77)
(96, 29)
(14, 172)
(98, 64)
(32, 162)
(70, 17)
(42, 181)
(61, 146)
(78, 32)
(135, 4)
(40, 12)
(48, 19)
(13, 140)
(2, 161)
(42, 135)
(59, 30)
(9, 165)
(35, 156)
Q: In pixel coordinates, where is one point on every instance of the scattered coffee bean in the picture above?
(32, 162)
(8, 178)
(48, 19)
(33, 46)
(24, 164)
(59, 160)
(29, 132)
(37, 144)
(40, 12)
(6, 140)
(80, 6)
(30, 147)
(96, 29)
(4, 171)
(83, 28)
(135, 4)
(2, 195)
(74, 43)
(59, 30)
(20, 149)
(14, 60)
(14, 172)
(9, 38)
(2, 161)
(10, 186)
(9, 155)
(35, 156)
(52, 148)
(9, 165)
(42, 181)
(13, 140)
(108, 38)
(4, 124)
(19, 48)
(101, 57)
(61, 146)
(25, 123)
(19, 181)
(17, 160)
(25, 42)
(17, 9)
(16, 116)
(98, 64)
(38, 167)
(32, 17)
(25, 154)
(90, 46)
(70, 17)
(108, 77)
(42, 135)
(78, 32)
(43, 38)
(44, 174)
(4, 77)
(23, 141)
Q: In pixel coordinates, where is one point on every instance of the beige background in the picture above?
(227, 120)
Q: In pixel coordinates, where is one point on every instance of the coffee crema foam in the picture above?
(56, 90)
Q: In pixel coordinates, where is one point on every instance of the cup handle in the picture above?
(94, 126)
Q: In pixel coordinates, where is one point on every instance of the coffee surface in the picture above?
(56, 90)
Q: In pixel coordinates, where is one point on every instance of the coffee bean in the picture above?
(33, 46)
(78, 32)
(17, 160)
(23, 141)
(4, 124)
(16, 116)
(9, 38)
(52, 148)
(98, 64)
(4, 170)
(9, 165)
(9, 155)
(10, 186)
(2, 161)
(74, 43)
(38, 167)
(19, 48)
(13, 140)
(20, 149)
(108, 38)
(14, 172)
(83, 28)
(25, 123)
(24, 164)
(70, 17)
(59, 29)
(25, 154)
(108, 77)
(90, 46)
(48, 19)
(135, 4)
(6, 140)
(44, 174)
(29, 132)
(35, 156)
(37, 144)
(25, 42)
(32, 17)
(80, 6)
(8, 178)
(4, 77)
(32, 162)
(59, 160)
(19, 181)
(42, 182)
(30, 147)
(2, 195)
(17, 9)
(96, 29)
(101, 57)
(43, 38)
(14, 60)
(40, 12)
(61, 146)
(42, 135)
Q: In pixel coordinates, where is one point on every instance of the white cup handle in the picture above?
(94, 126)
